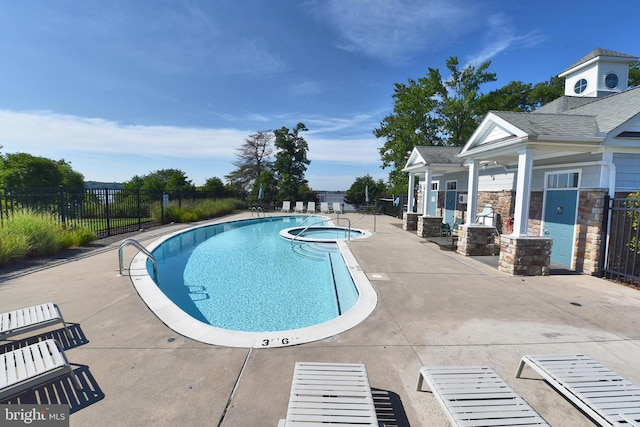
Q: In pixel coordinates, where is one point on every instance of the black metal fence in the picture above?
(393, 204)
(619, 256)
(107, 212)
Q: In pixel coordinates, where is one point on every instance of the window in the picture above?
(560, 180)
(611, 80)
(580, 86)
(452, 185)
(434, 186)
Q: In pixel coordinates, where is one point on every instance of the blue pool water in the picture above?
(243, 276)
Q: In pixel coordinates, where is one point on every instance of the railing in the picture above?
(133, 242)
(620, 258)
(347, 232)
(257, 210)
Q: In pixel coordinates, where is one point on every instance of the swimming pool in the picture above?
(213, 281)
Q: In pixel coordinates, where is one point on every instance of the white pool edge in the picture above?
(182, 323)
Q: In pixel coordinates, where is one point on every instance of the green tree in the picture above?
(23, 170)
(411, 123)
(214, 185)
(458, 99)
(291, 162)
(431, 111)
(634, 74)
(269, 188)
(544, 92)
(166, 180)
(70, 178)
(356, 194)
(515, 96)
(252, 158)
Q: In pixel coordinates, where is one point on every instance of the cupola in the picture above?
(600, 73)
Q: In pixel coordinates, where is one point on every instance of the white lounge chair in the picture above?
(32, 365)
(286, 206)
(299, 207)
(311, 207)
(477, 396)
(324, 207)
(605, 396)
(485, 214)
(31, 318)
(330, 393)
(337, 208)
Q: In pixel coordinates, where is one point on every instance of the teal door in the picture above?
(450, 206)
(559, 224)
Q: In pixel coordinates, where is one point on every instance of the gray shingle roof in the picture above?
(584, 117)
(600, 52)
(551, 124)
(440, 155)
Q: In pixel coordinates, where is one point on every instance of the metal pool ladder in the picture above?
(133, 242)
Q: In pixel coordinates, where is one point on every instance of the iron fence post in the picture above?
(604, 235)
(61, 213)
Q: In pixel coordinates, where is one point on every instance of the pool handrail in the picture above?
(138, 245)
(347, 232)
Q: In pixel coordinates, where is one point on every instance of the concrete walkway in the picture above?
(434, 308)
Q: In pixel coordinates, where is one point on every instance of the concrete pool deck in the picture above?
(434, 307)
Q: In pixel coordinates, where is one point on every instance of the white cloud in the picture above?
(52, 135)
(395, 29)
(501, 36)
(48, 134)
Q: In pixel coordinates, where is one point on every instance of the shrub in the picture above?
(29, 234)
(198, 210)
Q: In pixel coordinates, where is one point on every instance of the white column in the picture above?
(426, 193)
(472, 196)
(523, 191)
(410, 192)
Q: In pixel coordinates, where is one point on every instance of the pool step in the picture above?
(317, 251)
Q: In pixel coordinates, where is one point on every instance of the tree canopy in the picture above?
(291, 163)
(252, 158)
(431, 111)
(23, 170)
(356, 194)
(166, 180)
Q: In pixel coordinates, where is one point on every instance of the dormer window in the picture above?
(580, 86)
(611, 80)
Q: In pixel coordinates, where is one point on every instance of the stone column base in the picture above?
(525, 256)
(477, 240)
(429, 226)
(410, 221)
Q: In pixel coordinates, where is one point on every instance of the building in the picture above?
(544, 174)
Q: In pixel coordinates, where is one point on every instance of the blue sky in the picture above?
(124, 88)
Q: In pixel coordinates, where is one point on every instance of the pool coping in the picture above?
(182, 323)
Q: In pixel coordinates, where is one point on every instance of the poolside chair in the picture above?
(486, 213)
(337, 207)
(31, 318)
(477, 396)
(286, 206)
(605, 396)
(324, 207)
(330, 393)
(311, 207)
(299, 207)
(32, 365)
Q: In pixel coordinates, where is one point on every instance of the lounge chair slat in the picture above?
(30, 318)
(595, 389)
(34, 364)
(477, 396)
(335, 393)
